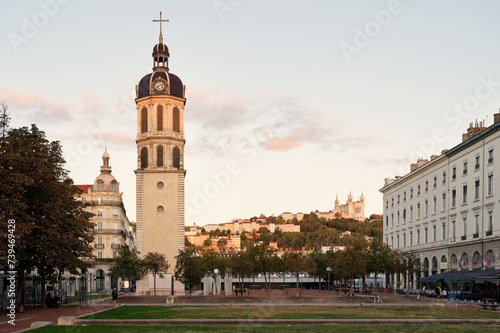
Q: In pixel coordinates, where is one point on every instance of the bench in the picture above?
(489, 302)
(375, 299)
(242, 291)
(345, 290)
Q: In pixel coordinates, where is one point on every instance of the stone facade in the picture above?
(445, 209)
(112, 230)
(160, 166)
(350, 210)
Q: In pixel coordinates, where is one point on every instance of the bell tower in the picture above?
(160, 169)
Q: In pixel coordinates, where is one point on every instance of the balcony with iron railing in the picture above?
(108, 203)
(111, 232)
(99, 246)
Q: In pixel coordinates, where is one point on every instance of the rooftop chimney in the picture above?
(496, 117)
(474, 129)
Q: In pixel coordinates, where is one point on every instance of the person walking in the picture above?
(438, 292)
(445, 295)
(114, 293)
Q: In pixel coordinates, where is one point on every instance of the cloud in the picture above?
(39, 107)
(290, 141)
(88, 118)
(229, 120)
(384, 161)
(219, 121)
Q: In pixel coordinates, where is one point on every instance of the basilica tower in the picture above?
(160, 165)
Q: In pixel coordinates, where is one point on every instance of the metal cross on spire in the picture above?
(160, 20)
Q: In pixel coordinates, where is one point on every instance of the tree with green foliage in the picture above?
(157, 264)
(212, 260)
(207, 242)
(265, 261)
(189, 268)
(317, 262)
(221, 243)
(52, 230)
(351, 262)
(241, 267)
(407, 264)
(294, 263)
(129, 266)
(379, 259)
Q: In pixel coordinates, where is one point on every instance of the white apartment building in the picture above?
(445, 209)
(112, 230)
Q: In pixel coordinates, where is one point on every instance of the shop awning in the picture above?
(477, 275)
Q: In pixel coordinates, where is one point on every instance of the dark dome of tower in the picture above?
(174, 82)
(160, 48)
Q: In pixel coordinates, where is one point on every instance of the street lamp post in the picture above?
(216, 271)
(35, 275)
(328, 269)
(1, 297)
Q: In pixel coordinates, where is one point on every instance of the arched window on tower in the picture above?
(159, 156)
(144, 120)
(176, 158)
(144, 158)
(176, 120)
(159, 118)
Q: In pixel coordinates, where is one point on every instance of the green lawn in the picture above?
(262, 329)
(292, 312)
(72, 299)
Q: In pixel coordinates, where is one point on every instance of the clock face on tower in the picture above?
(159, 85)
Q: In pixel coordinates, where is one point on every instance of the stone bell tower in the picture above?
(160, 165)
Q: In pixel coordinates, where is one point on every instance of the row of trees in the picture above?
(356, 261)
(130, 266)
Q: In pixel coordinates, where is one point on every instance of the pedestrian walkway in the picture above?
(24, 320)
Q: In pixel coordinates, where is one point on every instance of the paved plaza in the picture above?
(257, 297)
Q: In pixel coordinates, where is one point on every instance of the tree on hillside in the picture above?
(221, 243)
(156, 264)
(51, 229)
(129, 266)
(207, 242)
(189, 268)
